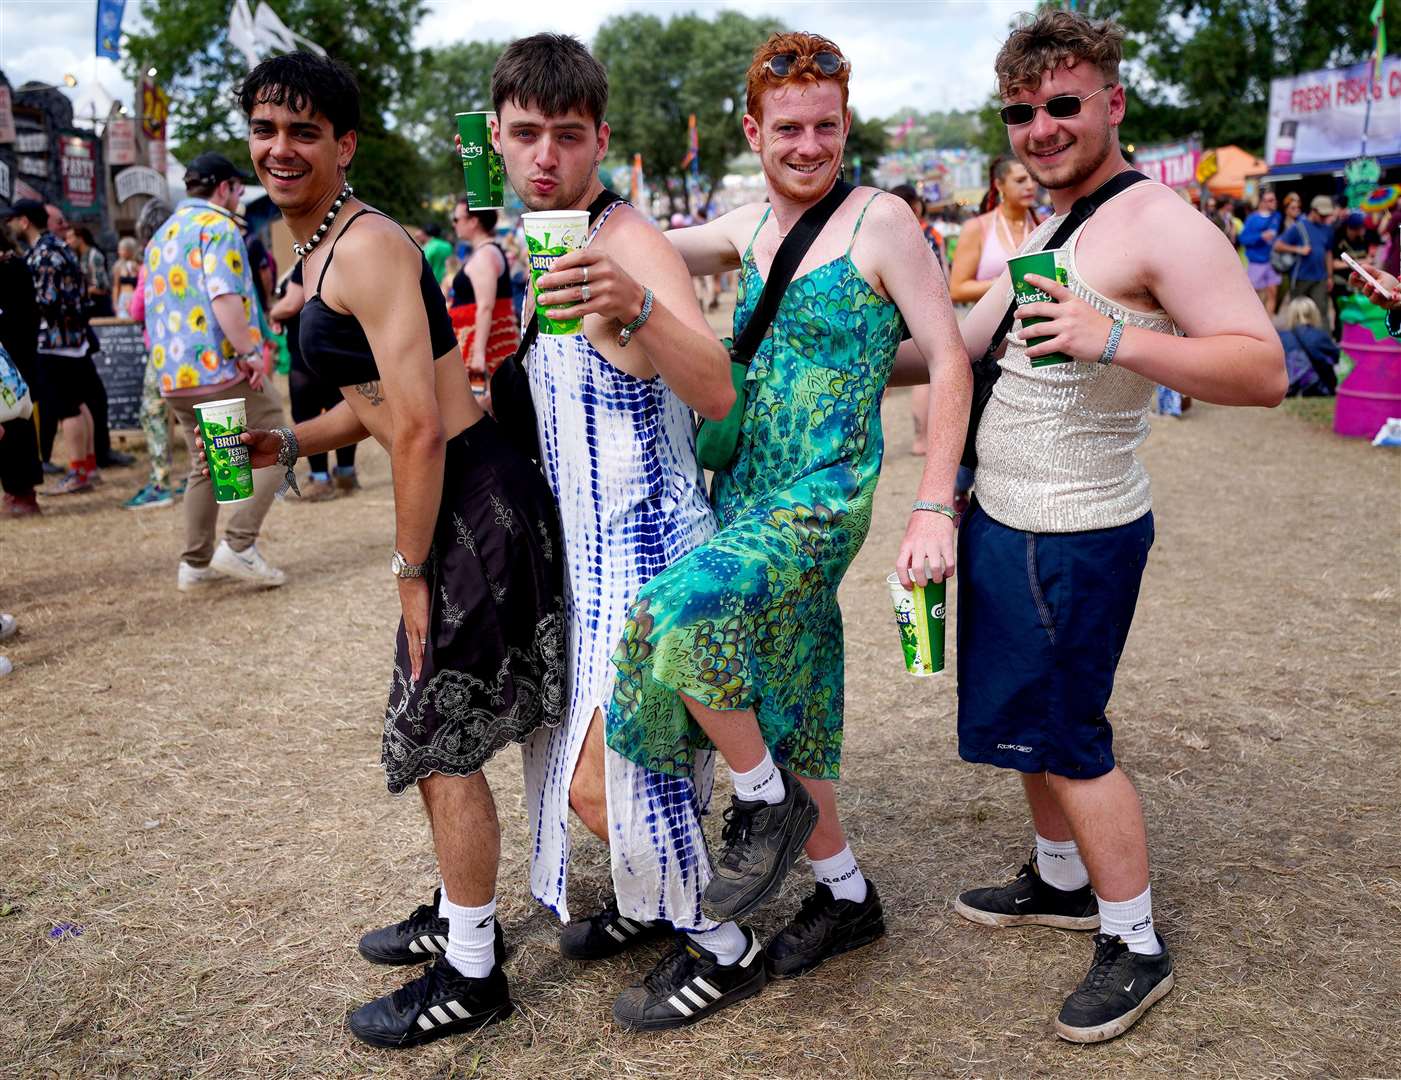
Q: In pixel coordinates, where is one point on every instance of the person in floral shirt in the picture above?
(204, 322)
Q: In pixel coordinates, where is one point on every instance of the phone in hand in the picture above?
(1362, 272)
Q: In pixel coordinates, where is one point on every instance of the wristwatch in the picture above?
(401, 568)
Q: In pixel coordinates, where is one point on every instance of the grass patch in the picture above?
(1317, 411)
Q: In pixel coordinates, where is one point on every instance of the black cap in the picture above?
(32, 209)
(212, 168)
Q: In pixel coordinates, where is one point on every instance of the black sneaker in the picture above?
(439, 1002)
(422, 936)
(687, 985)
(762, 840)
(607, 933)
(1029, 901)
(1121, 986)
(824, 927)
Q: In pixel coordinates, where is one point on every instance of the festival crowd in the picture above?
(570, 586)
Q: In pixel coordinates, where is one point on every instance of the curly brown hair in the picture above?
(1056, 37)
(805, 47)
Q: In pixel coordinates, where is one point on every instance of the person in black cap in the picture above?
(205, 323)
(65, 372)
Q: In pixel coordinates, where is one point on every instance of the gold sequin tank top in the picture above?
(1056, 444)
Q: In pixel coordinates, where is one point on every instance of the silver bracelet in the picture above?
(287, 457)
(936, 508)
(625, 335)
(1112, 345)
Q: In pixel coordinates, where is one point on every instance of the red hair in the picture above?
(804, 47)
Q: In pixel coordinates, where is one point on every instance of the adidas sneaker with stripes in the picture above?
(689, 984)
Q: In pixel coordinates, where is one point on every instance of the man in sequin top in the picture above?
(1052, 553)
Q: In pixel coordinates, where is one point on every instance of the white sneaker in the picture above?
(193, 577)
(8, 627)
(248, 565)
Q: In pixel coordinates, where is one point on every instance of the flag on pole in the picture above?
(1380, 51)
(638, 195)
(692, 159)
(109, 28)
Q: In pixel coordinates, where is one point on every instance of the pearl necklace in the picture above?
(303, 250)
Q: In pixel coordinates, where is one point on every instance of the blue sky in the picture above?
(933, 54)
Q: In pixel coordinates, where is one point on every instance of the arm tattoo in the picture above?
(370, 391)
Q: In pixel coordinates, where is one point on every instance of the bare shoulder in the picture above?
(631, 238)
(1159, 210)
(373, 244)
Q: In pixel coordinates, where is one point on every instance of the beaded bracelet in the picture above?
(287, 457)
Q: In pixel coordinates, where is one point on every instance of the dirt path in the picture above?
(194, 783)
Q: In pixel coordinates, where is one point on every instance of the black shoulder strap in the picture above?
(606, 198)
(785, 264)
(332, 253)
(1081, 212)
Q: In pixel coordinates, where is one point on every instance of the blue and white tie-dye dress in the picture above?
(619, 454)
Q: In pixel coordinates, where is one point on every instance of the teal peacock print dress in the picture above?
(750, 618)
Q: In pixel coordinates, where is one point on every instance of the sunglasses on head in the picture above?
(829, 63)
(1061, 107)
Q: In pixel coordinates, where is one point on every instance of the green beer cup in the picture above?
(919, 616)
(1050, 264)
(220, 425)
(548, 235)
(486, 177)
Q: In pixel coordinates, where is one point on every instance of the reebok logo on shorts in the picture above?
(1018, 747)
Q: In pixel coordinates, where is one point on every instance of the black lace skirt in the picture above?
(494, 665)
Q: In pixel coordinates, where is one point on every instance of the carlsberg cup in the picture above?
(481, 164)
(548, 235)
(1050, 264)
(220, 425)
(919, 616)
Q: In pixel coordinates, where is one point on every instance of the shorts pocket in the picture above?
(1033, 579)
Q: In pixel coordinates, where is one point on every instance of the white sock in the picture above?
(840, 873)
(1059, 864)
(471, 936)
(1131, 920)
(761, 783)
(726, 941)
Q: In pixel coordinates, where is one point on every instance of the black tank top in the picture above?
(334, 347)
(462, 291)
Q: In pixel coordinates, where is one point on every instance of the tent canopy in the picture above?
(1235, 165)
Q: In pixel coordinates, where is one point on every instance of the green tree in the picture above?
(867, 140)
(1204, 66)
(451, 79)
(660, 73)
(187, 42)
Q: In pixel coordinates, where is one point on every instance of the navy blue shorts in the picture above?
(1042, 621)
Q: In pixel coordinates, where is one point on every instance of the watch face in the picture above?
(396, 563)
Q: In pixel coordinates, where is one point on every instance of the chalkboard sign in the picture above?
(121, 364)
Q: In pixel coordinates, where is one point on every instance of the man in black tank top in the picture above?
(479, 660)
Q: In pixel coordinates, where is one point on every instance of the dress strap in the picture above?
(767, 211)
(604, 217)
(859, 220)
(332, 253)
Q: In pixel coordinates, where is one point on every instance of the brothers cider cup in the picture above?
(220, 425)
(550, 234)
(919, 616)
(1050, 264)
(486, 177)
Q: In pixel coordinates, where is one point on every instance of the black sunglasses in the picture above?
(1061, 107)
(829, 63)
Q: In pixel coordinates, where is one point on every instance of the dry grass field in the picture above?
(191, 784)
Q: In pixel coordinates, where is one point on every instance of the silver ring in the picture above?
(423, 641)
(585, 269)
(584, 292)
